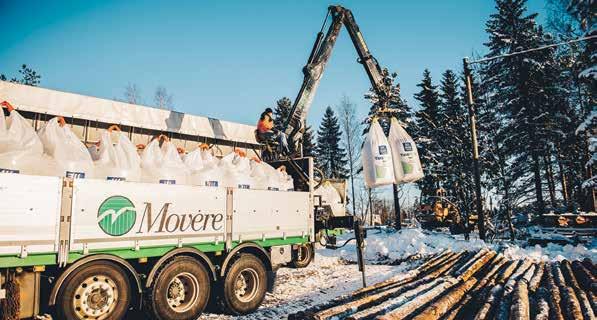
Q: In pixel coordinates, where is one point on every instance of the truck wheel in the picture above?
(180, 291)
(244, 286)
(98, 290)
(302, 256)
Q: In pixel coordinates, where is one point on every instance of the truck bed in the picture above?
(51, 220)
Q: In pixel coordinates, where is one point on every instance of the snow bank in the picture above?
(391, 246)
(552, 252)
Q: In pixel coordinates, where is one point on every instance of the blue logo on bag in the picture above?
(75, 175)
(407, 146)
(2, 170)
(211, 183)
(167, 181)
(116, 178)
(383, 149)
(244, 186)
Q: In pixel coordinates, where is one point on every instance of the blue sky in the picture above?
(230, 59)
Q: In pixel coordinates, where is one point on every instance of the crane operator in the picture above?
(266, 131)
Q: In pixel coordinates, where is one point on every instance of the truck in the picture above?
(83, 248)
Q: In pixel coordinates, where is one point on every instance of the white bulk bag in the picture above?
(377, 160)
(407, 166)
(286, 180)
(163, 165)
(20, 148)
(329, 196)
(69, 154)
(236, 171)
(204, 168)
(117, 161)
(265, 177)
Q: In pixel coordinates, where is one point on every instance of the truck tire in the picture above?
(302, 256)
(98, 290)
(244, 285)
(181, 290)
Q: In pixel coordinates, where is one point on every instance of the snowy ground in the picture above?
(333, 273)
(324, 279)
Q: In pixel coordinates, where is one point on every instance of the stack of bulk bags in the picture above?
(20, 148)
(377, 159)
(407, 166)
(163, 164)
(236, 171)
(117, 160)
(70, 157)
(204, 168)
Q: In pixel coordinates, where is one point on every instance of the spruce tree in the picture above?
(518, 92)
(281, 112)
(331, 157)
(429, 135)
(456, 144)
(396, 106)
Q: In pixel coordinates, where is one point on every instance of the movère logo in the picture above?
(116, 215)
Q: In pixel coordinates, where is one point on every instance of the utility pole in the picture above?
(398, 221)
(473, 128)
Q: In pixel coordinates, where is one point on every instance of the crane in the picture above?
(294, 124)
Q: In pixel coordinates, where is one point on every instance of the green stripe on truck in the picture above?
(144, 252)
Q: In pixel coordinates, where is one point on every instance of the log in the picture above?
(409, 307)
(584, 276)
(476, 266)
(393, 303)
(542, 304)
(570, 303)
(581, 296)
(440, 307)
(503, 309)
(587, 263)
(536, 279)
(492, 299)
(464, 307)
(554, 294)
(519, 310)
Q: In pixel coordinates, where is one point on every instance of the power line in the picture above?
(533, 49)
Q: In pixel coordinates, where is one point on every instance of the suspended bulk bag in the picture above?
(407, 166)
(117, 161)
(71, 158)
(20, 148)
(377, 160)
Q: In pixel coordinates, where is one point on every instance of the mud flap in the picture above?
(271, 280)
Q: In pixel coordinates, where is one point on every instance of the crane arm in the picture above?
(313, 70)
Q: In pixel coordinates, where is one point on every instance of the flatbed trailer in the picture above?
(63, 235)
(96, 249)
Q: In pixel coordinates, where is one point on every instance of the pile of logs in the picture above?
(472, 285)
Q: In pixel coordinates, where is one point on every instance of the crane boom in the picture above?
(322, 49)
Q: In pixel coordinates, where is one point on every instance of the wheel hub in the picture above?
(95, 298)
(183, 291)
(246, 285)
